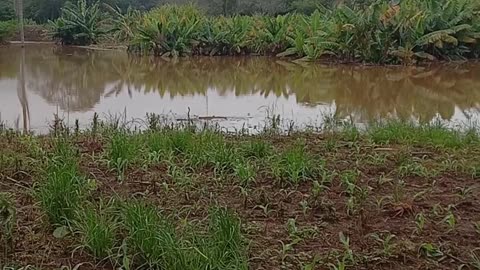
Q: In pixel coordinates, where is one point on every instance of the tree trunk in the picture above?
(21, 21)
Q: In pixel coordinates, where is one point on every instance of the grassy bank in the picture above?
(9, 31)
(412, 31)
(395, 195)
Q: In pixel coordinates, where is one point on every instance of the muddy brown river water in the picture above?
(234, 92)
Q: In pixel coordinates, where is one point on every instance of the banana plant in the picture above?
(273, 35)
(408, 31)
(237, 30)
(80, 24)
(297, 39)
(123, 25)
(169, 32)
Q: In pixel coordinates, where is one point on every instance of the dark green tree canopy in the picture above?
(44, 10)
(7, 10)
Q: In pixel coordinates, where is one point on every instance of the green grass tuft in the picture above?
(122, 152)
(152, 238)
(256, 149)
(98, 228)
(437, 135)
(7, 219)
(213, 151)
(63, 189)
(413, 167)
(245, 172)
(224, 248)
(295, 165)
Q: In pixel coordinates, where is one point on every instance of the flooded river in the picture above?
(75, 83)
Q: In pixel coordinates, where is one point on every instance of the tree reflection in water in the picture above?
(22, 93)
(77, 79)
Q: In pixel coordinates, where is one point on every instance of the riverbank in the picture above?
(33, 33)
(101, 47)
(395, 196)
(380, 33)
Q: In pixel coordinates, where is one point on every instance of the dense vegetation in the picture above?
(7, 28)
(394, 196)
(377, 33)
(43, 10)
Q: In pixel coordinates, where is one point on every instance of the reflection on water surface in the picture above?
(77, 82)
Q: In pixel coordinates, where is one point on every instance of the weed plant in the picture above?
(295, 164)
(63, 189)
(122, 152)
(97, 228)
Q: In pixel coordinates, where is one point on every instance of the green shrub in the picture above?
(375, 32)
(169, 30)
(80, 24)
(7, 29)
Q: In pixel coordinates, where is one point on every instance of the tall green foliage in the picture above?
(169, 30)
(80, 24)
(7, 11)
(43, 10)
(7, 28)
(124, 24)
(381, 32)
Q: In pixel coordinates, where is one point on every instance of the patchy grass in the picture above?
(64, 188)
(396, 132)
(392, 196)
(152, 238)
(122, 152)
(97, 228)
(295, 164)
(7, 221)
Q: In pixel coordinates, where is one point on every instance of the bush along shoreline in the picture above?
(7, 29)
(395, 195)
(380, 33)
